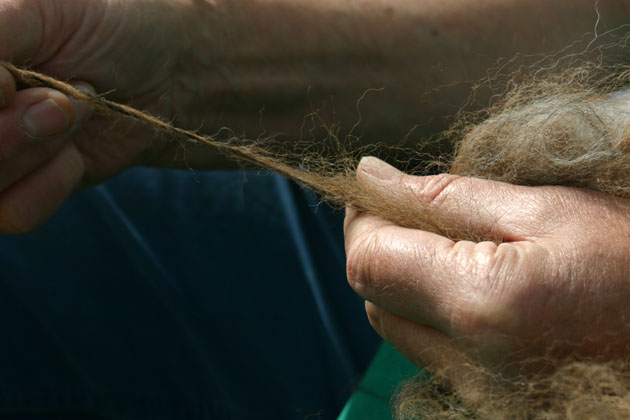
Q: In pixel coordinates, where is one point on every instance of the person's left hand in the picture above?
(557, 286)
(129, 50)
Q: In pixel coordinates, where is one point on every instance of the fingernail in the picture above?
(3, 99)
(378, 169)
(45, 119)
(82, 110)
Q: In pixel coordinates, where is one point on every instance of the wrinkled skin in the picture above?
(95, 44)
(556, 287)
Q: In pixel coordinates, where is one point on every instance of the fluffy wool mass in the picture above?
(579, 139)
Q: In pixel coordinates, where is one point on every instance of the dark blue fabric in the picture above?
(180, 295)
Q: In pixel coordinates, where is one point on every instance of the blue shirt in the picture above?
(167, 294)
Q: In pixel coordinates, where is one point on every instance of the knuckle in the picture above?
(366, 256)
(486, 301)
(358, 255)
(437, 188)
(545, 207)
(483, 315)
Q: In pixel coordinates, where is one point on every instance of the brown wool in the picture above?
(572, 129)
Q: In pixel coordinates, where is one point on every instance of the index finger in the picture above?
(429, 279)
(392, 266)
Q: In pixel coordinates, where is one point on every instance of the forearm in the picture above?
(289, 57)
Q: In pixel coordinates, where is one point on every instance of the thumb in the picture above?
(479, 208)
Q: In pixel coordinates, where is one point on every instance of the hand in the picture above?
(49, 146)
(557, 286)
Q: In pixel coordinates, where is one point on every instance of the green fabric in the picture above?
(371, 399)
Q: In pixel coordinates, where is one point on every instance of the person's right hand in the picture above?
(50, 146)
(555, 288)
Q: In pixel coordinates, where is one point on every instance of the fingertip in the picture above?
(64, 103)
(50, 116)
(377, 170)
(386, 324)
(373, 314)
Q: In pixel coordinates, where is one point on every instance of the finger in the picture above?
(349, 219)
(420, 344)
(383, 262)
(7, 87)
(30, 202)
(35, 115)
(427, 278)
(30, 158)
(482, 207)
(21, 153)
(446, 360)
